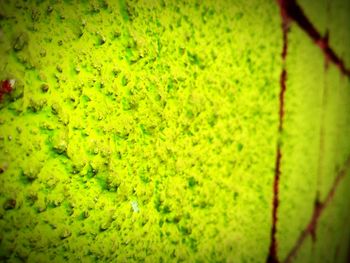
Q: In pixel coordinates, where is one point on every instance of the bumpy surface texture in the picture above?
(167, 131)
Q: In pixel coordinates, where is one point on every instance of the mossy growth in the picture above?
(140, 131)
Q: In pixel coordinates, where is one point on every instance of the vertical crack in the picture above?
(273, 257)
(322, 131)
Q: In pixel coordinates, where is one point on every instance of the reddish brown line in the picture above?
(318, 210)
(272, 257)
(283, 77)
(281, 98)
(294, 12)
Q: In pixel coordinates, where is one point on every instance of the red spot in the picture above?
(6, 87)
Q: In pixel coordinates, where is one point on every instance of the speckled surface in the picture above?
(147, 131)
(140, 131)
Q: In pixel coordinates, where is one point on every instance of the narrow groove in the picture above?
(294, 12)
(318, 210)
(273, 257)
(282, 96)
(322, 132)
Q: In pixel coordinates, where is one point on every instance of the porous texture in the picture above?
(138, 130)
(167, 131)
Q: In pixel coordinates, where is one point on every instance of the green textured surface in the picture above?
(153, 140)
(147, 131)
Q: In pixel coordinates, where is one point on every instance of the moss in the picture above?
(139, 131)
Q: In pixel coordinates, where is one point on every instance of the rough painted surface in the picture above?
(205, 131)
